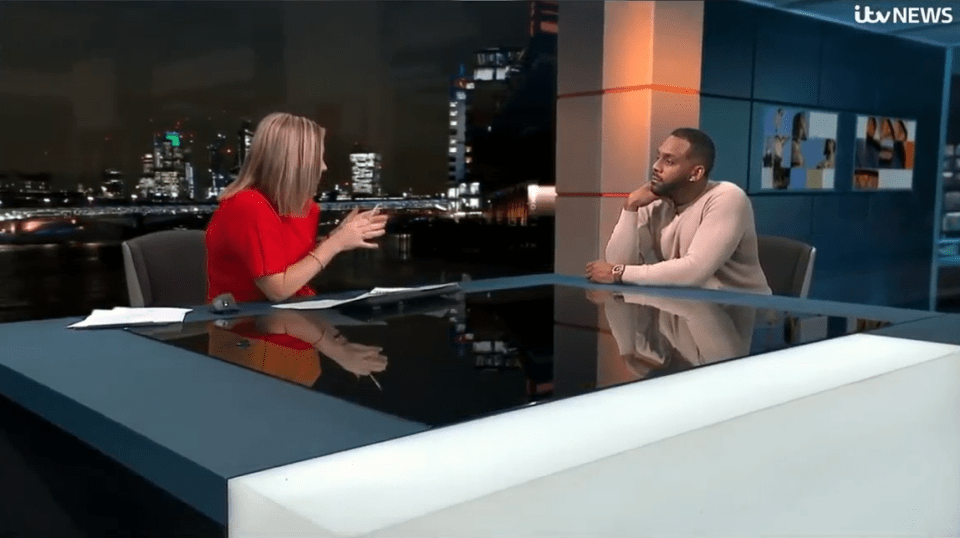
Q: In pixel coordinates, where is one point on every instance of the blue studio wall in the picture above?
(872, 247)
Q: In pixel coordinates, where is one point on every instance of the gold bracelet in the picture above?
(314, 256)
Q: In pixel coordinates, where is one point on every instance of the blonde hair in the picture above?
(284, 163)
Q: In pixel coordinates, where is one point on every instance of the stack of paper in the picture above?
(120, 316)
(375, 292)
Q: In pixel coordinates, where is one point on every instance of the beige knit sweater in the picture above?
(710, 243)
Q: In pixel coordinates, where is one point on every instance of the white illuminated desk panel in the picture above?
(857, 436)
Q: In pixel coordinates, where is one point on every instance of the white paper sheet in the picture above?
(131, 316)
(320, 304)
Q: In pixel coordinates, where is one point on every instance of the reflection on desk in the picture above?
(657, 336)
(454, 360)
(288, 344)
(661, 335)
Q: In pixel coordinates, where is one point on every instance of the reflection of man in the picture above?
(681, 229)
(661, 334)
(288, 344)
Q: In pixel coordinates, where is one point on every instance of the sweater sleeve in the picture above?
(630, 238)
(622, 320)
(722, 226)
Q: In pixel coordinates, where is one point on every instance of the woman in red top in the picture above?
(262, 239)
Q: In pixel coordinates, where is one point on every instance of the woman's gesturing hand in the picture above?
(358, 229)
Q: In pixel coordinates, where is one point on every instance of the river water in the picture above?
(53, 281)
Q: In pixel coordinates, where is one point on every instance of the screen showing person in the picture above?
(808, 160)
(885, 153)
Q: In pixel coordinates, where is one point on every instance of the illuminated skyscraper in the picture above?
(172, 172)
(244, 139)
(460, 151)
(145, 186)
(475, 101)
(111, 185)
(365, 171)
(219, 170)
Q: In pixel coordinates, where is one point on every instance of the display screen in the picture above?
(885, 153)
(799, 149)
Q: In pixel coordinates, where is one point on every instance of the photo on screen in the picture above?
(800, 149)
(885, 153)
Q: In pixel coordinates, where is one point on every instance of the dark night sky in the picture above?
(84, 84)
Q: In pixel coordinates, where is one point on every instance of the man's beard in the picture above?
(664, 188)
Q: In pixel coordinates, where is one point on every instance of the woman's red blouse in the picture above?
(247, 239)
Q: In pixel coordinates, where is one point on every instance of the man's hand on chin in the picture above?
(600, 271)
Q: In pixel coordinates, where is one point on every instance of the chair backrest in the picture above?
(788, 264)
(166, 268)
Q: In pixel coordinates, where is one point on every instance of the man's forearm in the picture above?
(624, 244)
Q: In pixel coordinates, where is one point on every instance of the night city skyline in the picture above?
(91, 91)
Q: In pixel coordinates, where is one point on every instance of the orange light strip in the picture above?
(594, 194)
(655, 87)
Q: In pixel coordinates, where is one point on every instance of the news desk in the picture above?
(528, 406)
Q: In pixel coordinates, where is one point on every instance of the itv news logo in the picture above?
(906, 15)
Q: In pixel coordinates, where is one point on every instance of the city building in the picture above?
(27, 183)
(475, 101)
(219, 170)
(365, 167)
(459, 150)
(167, 172)
(244, 139)
(145, 185)
(111, 185)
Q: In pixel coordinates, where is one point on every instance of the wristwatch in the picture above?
(618, 273)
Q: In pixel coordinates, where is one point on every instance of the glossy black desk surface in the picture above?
(448, 359)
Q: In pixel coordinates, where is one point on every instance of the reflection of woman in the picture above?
(799, 135)
(288, 344)
(886, 143)
(661, 334)
(829, 154)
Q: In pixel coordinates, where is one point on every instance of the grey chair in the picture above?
(166, 268)
(787, 263)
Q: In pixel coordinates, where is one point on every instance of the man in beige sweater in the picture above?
(681, 229)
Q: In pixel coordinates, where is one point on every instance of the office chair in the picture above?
(788, 265)
(167, 268)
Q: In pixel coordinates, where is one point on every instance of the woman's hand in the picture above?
(357, 229)
(358, 359)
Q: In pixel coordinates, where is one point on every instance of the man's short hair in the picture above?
(702, 149)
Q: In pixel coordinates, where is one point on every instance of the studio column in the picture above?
(628, 74)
